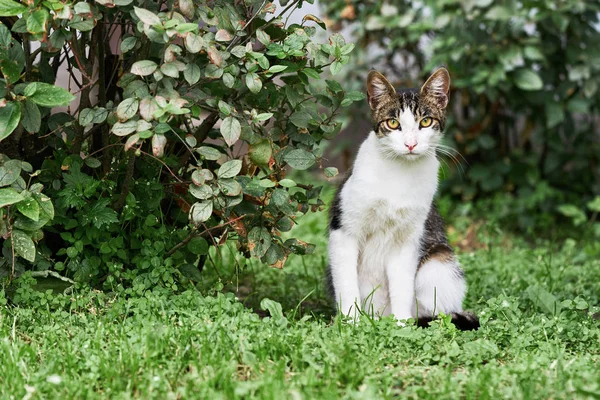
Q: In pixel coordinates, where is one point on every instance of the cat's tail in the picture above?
(464, 321)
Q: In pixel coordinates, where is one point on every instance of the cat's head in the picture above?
(409, 124)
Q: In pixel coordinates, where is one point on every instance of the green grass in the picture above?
(538, 338)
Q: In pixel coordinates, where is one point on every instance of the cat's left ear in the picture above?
(437, 87)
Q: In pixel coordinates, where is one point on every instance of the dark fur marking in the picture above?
(335, 222)
(464, 321)
(335, 210)
(434, 240)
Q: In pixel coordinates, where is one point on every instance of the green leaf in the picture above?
(128, 44)
(45, 204)
(198, 246)
(127, 109)
(32, 118)
(274, 309)
(277, 68)
(201, 211)
(12, 57)
(266, 183)
(253, 82)
(224, 107)
(351, 97)
(299, 247)
(29, 208)
(10, 172)
(83, 25)
(259, 241)
(330, 172)
(10, 115)
(263, 37)
(280, 197)
(147, 17)
(231, 130)
(555, 114)
(192, 74)
(526, 79)
(230, 187)
(228, 80)
(37, 20)
(287, 183)
(198, 178)
(9, 196)
(261, 152)
(25, 224)
(10, 8)
(318, 21)
(191, 272)
(335, 67)
(230, 169)
(544, 299)
(23, 245)
(223, 36)
(47, 95)
(533, 53)
(124, 128)
(299, 159)
(143, 68)
(209, 153)
(573, 212)
(300, 119)
(263, 116)
(594, 205)
(170, 69)
(202, 192)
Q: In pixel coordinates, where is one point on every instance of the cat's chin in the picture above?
(410, 157)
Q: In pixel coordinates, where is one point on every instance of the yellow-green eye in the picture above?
(426, 122)
(392, 123)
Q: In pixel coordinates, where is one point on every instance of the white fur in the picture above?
(438, 289)
(374, 255)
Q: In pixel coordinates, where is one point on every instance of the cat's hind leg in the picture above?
(440, 286)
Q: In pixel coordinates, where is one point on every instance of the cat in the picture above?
(388, 250)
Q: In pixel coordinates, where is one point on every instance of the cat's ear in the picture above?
(437, 87)
(378, 89)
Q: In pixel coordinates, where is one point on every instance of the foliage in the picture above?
(539, 336)
(525, 78)
(198, 114)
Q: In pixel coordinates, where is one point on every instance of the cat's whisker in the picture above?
(455, 160)
(453, 151)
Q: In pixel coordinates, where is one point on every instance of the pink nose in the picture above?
(410, 147)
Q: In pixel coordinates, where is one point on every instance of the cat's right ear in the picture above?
(378, 89)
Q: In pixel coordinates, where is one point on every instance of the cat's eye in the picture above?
(392, 123)
(426, 122)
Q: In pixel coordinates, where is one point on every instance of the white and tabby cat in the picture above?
(388, 251)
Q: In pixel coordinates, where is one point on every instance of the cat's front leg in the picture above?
(343, 266)
(401, 268)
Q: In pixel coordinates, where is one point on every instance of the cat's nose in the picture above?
(410, 147)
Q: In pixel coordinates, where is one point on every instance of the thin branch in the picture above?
(185, 143)
(163, 163)
(205, 232)
(233, 42)
(126, 182)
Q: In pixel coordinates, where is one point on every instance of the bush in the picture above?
(197, 113)
(525, 78)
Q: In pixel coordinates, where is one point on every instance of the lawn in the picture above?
(254, 332)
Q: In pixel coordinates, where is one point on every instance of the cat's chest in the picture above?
(376, 211)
